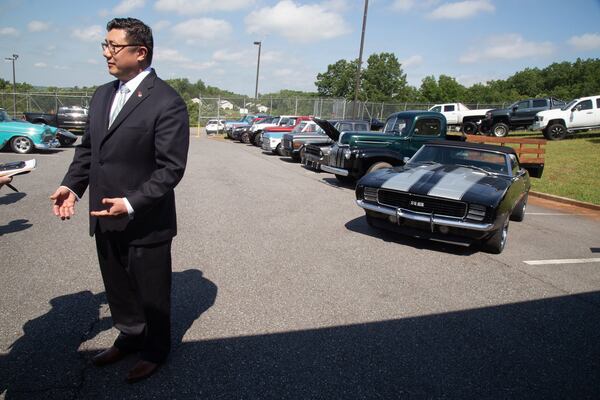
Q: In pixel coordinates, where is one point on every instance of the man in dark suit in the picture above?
(132, 155)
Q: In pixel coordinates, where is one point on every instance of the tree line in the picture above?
(383, 80)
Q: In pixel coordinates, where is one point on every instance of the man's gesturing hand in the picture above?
(116, 208)
(63, 203)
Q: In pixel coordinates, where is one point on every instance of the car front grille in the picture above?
(422, 204)
(336, 157)
(314, 150)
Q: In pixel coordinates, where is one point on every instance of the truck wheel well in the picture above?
(557, 121)
(374, 160)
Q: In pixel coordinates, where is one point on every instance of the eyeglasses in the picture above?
(116, 48)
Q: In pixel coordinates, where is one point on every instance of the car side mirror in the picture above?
(406, 160)
(515, 108)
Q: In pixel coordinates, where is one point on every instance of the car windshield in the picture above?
(396, 125)
(4, 117)
(570, 104)
(487, 160)
(299, 127)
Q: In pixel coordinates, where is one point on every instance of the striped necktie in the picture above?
(121, 98)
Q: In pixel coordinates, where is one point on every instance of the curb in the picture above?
(565, 200)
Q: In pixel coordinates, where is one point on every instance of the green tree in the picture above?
(383, 79)
(338, 80)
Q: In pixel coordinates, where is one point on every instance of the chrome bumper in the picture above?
(334, 170)
(52, 144)
(537, 126)
(429, 219)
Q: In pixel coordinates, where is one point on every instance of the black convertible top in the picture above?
(471, 145)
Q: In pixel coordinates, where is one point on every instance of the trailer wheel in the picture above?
(470, 128)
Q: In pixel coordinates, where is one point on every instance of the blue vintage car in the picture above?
(24, 137)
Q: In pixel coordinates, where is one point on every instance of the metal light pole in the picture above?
(259, 44)
(13, 59)
(360, 54)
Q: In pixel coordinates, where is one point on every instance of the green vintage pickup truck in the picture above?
(358, 153)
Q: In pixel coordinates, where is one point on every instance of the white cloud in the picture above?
(9, 31)
(412, 61)
(89, 34)
(507, 47)
(92, 61)
(587, 41)
(202, 29)
(201, 6)
(40, 65)
(160, 25)
(403, 5)
(336, 5)
(298, 23)
(169, 55)
(126, 6)
(199, 66)
(38, 26)
(462, 9)
(229, 56)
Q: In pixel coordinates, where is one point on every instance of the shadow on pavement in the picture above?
(45, 362)
(360, 225)
(540, 349)
(11, 198)
(15, 226)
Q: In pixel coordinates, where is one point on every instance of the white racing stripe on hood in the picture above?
(405, 179)
(456, 183)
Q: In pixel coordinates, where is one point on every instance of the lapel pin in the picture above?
(139, 93)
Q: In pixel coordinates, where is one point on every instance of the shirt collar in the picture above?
(132, 84)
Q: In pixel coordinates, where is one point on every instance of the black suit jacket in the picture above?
(142, 157)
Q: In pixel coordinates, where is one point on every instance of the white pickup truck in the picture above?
(579, 114)
(460, 117)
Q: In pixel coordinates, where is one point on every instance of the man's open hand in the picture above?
(63, 203)
(116, 208)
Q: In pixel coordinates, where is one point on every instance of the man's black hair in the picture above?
(137, 32)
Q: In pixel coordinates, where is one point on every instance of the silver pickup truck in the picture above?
(313, 150)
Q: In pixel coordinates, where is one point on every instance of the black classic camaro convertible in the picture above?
(455, 192)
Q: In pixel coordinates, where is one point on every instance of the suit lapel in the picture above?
(140, 94)
(106, 106)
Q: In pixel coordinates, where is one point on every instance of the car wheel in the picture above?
(258, 140)
(245, 138)
(500, 129)
(556, 132)
(64, 141)
(21, 145)
(496, 243)
(470, 128)
(518, 213)
(378, 165)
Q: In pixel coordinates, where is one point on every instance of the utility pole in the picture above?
(360, 54)
(13, 59)
(259, 44)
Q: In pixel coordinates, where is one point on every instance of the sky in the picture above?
(58, 42)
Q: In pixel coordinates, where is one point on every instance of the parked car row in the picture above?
(23, 137)
(414, 177)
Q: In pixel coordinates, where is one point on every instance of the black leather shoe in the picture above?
(108, 356)
(141, 370)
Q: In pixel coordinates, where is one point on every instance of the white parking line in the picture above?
(553, 214)
(564, 261)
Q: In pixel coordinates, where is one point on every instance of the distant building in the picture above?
(225, 105)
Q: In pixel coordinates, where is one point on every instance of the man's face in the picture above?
(123, 62)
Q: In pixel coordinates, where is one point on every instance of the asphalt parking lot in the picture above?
(281, 290)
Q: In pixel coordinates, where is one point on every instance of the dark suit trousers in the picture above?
(137, 280)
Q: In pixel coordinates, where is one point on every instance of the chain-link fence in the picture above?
(234, 108)
(40, 102)
(202, 109)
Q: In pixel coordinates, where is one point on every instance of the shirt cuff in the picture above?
(69, 189)
(129, 208)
